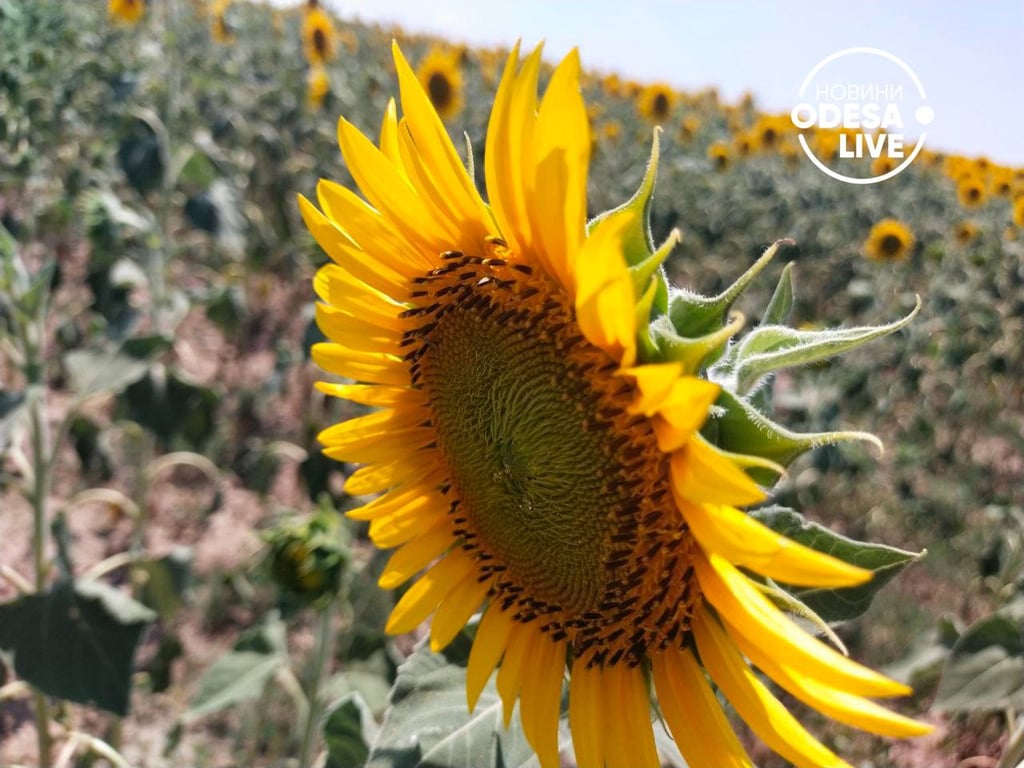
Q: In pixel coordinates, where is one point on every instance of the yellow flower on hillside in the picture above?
(538, 465)
(126, 11)
(964, 232)
(656, 102)
(970, 191)
(889, 240)
(318, 84)
(441, 77)
(318, 36)
(1018, 211)
(719, 155)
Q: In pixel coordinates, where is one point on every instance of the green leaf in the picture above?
(781, 303)
(985, 670)
(773, 347)
(428, 726)
(242, 673)
(76, 642)
(740, 428)
(349, 728)
(837, 605)
(167, 579)
(112, 370)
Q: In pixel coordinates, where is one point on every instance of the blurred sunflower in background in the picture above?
(539, 463)
(656, 102)
(220, 31)
(126, 11)
(318, 36)
(720, 155)
(441, 77)
(964, 232)
(1018, 211)
(889, 240)
(970, 191)
(318, 84)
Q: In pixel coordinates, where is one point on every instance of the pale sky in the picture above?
(969, 56)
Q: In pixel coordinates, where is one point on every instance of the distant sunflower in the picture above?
(770, 131)
(889, 240)
(1018, 211)
(882, 164)
(441, 77)
(318, 84)
(964, 232)
(534, 467)
(220, 30)
(720, 155)
(656, 102)
(970, 191)
(126, 11)
(318, 36)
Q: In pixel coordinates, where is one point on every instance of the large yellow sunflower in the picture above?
(539, 464)
(441, 77)
(126, 11)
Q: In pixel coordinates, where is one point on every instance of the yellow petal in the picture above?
(413, 557)
(373, 395)
(744, 609)
(540, 699)
(585, 714)
(370, 367)
(388, 141)
(343, 328)
(693, 714)
(492, 636)
(604, 294)
(837, 704)
(629, 738)
(423, 597)
(456, 609)
(518, 653)
(702, 475)
(765, 714)
(744, 541)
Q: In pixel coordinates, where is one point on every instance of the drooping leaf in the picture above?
(985, 669)
(167, 579)
(112, 370)
(349, 729)
(76, 642)
(837, 605)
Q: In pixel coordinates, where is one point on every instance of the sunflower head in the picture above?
(720, 155)
(889, 240)
(318, 36)
(565, 443)
(318, 85)
(965, 231)
(126, 11)
(440, 73)
(970, 190)
(656, 102)
(1018, 210)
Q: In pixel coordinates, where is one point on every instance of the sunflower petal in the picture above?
(423, 597)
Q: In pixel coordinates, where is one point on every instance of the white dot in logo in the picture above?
(924, 114)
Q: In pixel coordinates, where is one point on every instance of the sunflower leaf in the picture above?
(773, 347)
(739, 428)
(348, 728)
(838, 605)
(427, 723)
(76, 642)
(781, 302)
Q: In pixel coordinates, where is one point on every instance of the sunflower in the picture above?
(720, 155)
(889, 240)
(317, 86)
(1018, 210)
(441, 77)
(656, 102)
(539, 462)
(318, 36)
(964, 232)
(970, 190)
(220, 30)
(126, 11)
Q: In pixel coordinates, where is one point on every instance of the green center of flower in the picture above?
(518, 422)
(559, 493)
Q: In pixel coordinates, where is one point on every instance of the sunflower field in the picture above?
(559, 420)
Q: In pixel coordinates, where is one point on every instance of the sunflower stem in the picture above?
(322, 652)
